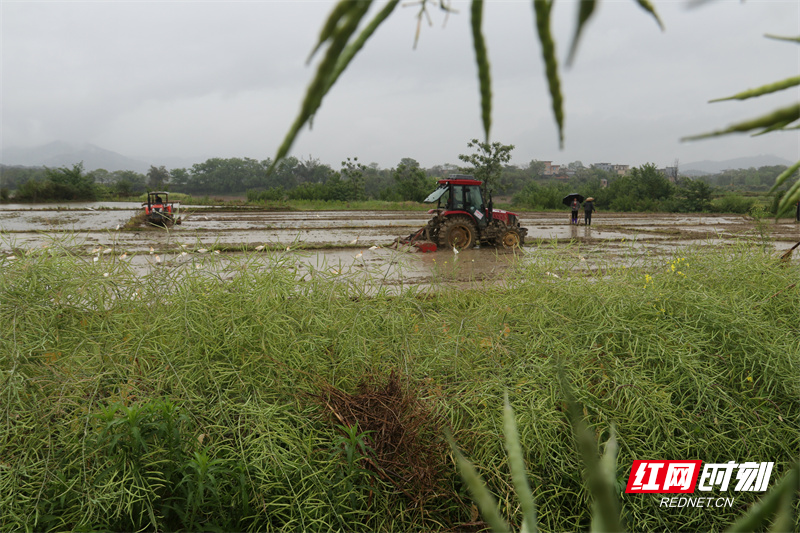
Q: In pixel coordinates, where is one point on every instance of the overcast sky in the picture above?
(225, 79)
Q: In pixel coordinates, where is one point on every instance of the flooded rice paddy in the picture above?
(353, 242)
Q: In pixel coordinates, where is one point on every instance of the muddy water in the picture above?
(355, 243)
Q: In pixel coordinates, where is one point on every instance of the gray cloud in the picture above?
(203, 79)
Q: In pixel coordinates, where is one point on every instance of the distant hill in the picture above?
(59, 153)
(703, 168)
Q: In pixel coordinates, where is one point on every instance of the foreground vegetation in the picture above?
(246, 399)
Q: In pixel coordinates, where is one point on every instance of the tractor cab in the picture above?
(461, 193)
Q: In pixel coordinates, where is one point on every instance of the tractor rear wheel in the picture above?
(509, 238)
(459, 232)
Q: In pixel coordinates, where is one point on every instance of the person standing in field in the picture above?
(575, 206)
(588, 209)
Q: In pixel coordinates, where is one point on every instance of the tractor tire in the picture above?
(458, 232)
(509, 238)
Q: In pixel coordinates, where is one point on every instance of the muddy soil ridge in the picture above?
(341, 240)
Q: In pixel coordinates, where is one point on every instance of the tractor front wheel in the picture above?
(510, 238)
(459, 232)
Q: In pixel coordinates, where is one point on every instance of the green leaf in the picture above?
(585, 11)
(605, 515)
(482, 60)
(784, 116)
(353, 48)
(792, 196)
(320, 85)
(542, 10)
(483, 498)
(779, 38)
(784, 176)
(516, 463)
(764, 89)
(339, 11)
(647, 6)
(763, 510)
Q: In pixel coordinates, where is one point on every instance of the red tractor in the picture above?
(159, 211)
(463, 217)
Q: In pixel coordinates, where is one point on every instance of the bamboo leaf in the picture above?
(482, 60)
(519, 474)
(542, 10)
(764, 89)
(784, 115)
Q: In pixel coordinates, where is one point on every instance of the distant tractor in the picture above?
(159, 211)
(464, 216)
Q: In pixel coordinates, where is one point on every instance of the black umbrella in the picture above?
(568, 198)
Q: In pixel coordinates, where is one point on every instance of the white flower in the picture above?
(183, 254)
(152, 251)
(123, 256)
(95, 259)
(105, 274)
(202, 250)
(373, 247)
(107, 251)
(158, 259)
(216, 251)
(259, 248)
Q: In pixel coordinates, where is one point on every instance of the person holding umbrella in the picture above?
(573, 200)
(588, 208)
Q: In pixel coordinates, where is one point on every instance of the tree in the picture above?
(157, 177)
(71, 183)
(487, 163)
(353, 173)
(411, 182)
(179, 178)
(128, 182)
(694, 195)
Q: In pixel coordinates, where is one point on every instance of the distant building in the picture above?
(671, 173)
(611, 168)
(620, 170)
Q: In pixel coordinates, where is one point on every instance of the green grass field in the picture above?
(190, 400)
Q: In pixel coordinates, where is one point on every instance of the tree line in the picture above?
(644, 188)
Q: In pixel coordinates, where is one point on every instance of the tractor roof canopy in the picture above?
(460, 179)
